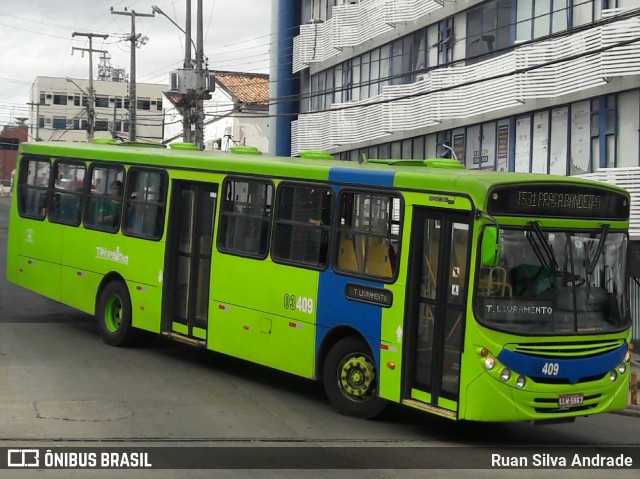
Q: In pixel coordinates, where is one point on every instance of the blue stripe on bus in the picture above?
(570, 369)
(334, 309)
(357, 176)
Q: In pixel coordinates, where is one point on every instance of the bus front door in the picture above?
(189, 248)
(434, 324)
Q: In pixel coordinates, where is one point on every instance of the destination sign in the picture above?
(369, 294)
(553, 200)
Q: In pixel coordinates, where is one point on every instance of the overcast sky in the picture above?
(37, 40)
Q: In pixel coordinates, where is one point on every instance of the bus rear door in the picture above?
(188, 260)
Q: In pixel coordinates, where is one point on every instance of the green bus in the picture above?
(472, 295)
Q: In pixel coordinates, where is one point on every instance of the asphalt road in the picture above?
(60, 386)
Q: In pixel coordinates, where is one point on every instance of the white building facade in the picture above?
(59, 110)
(548, 86)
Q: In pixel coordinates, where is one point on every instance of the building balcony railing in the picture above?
(352, 24)
(629, 179)
(545, 69)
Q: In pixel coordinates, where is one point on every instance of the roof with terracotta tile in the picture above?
(248, 88)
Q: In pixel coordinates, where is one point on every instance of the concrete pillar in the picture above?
(285, 25)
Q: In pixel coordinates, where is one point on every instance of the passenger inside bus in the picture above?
(318, 238)
(134, 216)
(109, 210)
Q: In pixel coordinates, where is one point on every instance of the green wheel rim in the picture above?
(357, 377)
(113, 314)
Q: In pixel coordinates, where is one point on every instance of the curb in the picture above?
(631, 410)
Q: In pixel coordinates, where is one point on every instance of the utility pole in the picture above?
(200, 80)
(186, 113)
(37, 120)
(133, 38)
(191, 87)
(91, 107)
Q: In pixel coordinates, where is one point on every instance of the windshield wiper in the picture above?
(542, 246)
(590, 264)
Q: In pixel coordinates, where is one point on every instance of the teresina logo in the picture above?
(115, 256)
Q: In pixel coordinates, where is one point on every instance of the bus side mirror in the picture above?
(490, 247)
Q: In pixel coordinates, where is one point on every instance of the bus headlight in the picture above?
(505, 374)
(490, 363)
(622, 368)
(627, 357)
(521, 382)
(613, 376)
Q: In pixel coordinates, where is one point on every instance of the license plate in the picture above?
(566, 401)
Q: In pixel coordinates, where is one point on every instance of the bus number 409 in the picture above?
(551, 369)
(302, 304)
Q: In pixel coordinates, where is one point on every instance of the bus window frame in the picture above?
(22, 185)
(87, 195)
(82, 194)
(330, 229)
(223, 213)
(127, 200)
(390, 193)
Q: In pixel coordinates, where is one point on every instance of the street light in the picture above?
(187, 53)
(90, 109)
(70, 80)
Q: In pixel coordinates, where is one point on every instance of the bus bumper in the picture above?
(488, 398)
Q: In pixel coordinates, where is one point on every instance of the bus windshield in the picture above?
(556, 282)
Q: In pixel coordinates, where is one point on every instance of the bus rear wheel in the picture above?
(114, 315)
(350, 379)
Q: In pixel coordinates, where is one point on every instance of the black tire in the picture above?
(114, 315)
(350, 379)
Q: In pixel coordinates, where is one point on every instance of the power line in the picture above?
(448, 88)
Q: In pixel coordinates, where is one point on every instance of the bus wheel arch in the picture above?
(329, 340)
(114, 311)
(349, 374)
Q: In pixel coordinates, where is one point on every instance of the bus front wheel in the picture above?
(350, 379)
(114, 314)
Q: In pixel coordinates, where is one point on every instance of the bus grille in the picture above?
(581, 349)
(586, 379)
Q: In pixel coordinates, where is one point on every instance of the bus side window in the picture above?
(145, 204)
(303, 221)
(66, 206)
(104, 202)
(34, 188)
(368, 233)
(245, 217)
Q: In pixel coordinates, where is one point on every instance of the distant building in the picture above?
(59, 110)
(236, 114)
(10, 138)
